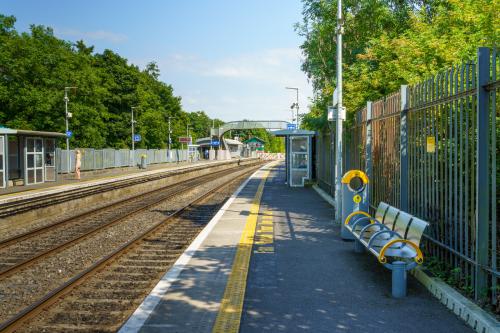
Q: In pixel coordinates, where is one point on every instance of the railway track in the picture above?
(20, 206)
(102, 296)
(24, 249)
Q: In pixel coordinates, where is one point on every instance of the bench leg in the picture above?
(398, 279)
(358, 247)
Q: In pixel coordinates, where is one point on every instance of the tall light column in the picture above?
(132, 122)
(296, 104)
(340, 116)
(67, 116)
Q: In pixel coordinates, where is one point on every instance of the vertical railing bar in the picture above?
(482, 181)
(434, 155)
(473, 234)
(447, 164)
(494, 245)
(461, 178)
(443, 209)
(467, 173)
(455, 167)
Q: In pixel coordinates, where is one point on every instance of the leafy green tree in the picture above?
(388, 43)
(35, 68)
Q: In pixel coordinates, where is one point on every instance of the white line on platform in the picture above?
(142, 313)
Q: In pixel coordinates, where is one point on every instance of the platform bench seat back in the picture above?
(381, 211)
(390, 217)
(416, 230)
(402, 224)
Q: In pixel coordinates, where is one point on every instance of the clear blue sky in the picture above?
(229, 58)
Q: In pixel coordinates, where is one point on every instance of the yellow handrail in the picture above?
(348, 218)
(419, 258)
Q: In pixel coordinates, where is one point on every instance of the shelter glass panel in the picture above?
(31, 176)
(299, 144)
(31, 160)
(34, 161)
(299, 161)
(50, 160)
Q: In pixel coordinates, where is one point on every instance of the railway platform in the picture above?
(271, 260)
(90, 177)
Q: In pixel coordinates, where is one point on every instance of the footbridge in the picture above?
(249, 124)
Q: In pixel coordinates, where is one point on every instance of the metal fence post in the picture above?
(482, 187)
(403, 153)
(368, 152)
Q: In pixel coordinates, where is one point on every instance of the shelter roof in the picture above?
(295, 132)
(10, 131)
(254, 139)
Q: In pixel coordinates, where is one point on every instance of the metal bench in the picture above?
(393, 236)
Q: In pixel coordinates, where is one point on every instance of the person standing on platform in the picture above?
(78, 163)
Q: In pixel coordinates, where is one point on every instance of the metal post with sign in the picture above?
(340, 116)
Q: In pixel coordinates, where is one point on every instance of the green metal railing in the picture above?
(432, 149)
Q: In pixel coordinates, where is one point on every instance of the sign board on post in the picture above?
(215, 143)
(69, 134)
(185, 139)
(291, 126)
(333, 113)
(137, 137)
(431, 144)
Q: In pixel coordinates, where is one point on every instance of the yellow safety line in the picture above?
(229, 316)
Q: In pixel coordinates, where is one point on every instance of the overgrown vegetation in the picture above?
(388, 43)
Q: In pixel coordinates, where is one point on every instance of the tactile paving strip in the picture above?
(229, 316)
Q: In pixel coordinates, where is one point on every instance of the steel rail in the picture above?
(31, 260)
(40, 230)
(35, 308)
(44, 200)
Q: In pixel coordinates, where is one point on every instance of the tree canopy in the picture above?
(36, 66)
(388, 43)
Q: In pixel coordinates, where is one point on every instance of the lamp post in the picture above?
(67, 116)
(296, 104)
(340, 115)
(169, 134)
(132, 122)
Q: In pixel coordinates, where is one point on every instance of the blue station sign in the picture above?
(291, 126)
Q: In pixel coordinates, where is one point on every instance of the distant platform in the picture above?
(272, 260)
(67, 182)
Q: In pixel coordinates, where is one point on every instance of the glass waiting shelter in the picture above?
(298, 158)
(27, 157)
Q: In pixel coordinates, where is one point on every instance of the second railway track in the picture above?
(23, 249)
(170, 214)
